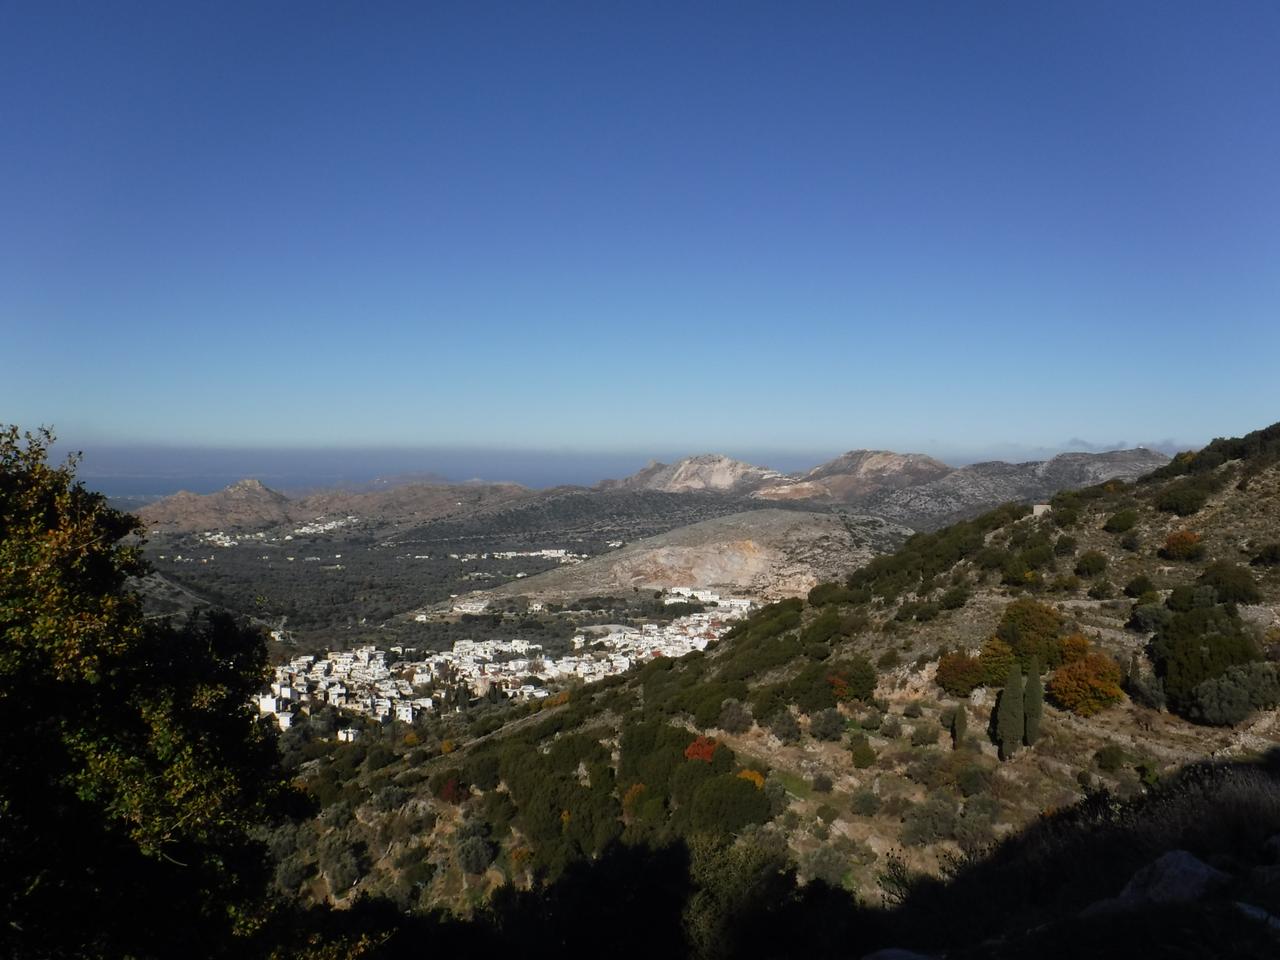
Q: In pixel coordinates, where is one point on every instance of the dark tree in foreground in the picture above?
(133, 766)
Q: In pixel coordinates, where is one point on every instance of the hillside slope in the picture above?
(248, 505)
(864, 737)
(969, 490)
(765, 552)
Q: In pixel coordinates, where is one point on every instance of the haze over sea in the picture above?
(146, 472)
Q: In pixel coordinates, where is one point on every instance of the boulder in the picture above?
(1271, 849)
(1175, 877)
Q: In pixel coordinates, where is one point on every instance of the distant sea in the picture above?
(147, 473)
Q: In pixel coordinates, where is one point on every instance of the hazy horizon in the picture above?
(159, 470)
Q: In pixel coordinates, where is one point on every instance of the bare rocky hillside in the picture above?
(249, 505)
(774, 553)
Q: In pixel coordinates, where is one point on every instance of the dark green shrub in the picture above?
(1183, 498)
(1091, 564)
(784, 727)
(1064, 546)
(768, 699)
(1268, 556)
(930, 821)
(859, 677)
(974, 829)
(811, 689)
(1110, 758)
(930, 770)
(378, 757)
(726, 804)
(825, 593)
(1149, 617)
(1102, 590)
(861, 751)
(1233, 583)
(973, 779)
(1231, 698)
(1016, 573)
(827, 725)
(1196, 646)
(1138, 586)
(1066, 517)
(826, 626)
(1131, 542)
(924, 734)
(482, 770)
(342, 862)
(816, 651)
(991, 558)
(1037, 557)
(735, 716)
(474, 855)
(1186, 597)
(1121, 522)
(864, 803)
(927, 611)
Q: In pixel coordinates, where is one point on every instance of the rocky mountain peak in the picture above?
(707, 472)
(251, 487)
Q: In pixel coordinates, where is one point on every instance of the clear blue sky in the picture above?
(937, 226)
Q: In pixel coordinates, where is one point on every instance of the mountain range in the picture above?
(911, 488)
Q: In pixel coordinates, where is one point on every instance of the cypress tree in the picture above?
(1033, 703)
(1010, 725)
(959, 726)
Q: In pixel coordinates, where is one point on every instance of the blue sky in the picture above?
(724, 226)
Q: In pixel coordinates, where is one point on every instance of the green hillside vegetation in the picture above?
(759, 791)
(854, 686)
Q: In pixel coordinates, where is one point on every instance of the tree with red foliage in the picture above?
(839, 686)
(702, 748)
(454, 791)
